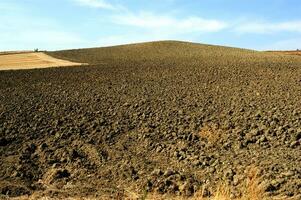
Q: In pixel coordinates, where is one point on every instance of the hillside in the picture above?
(150, 51)
(161, 118)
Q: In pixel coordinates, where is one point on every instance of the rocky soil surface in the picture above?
(166, 117)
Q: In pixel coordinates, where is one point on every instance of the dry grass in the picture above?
(211, 133)
(253, 190)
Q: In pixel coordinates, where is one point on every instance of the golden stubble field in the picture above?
(32, 60)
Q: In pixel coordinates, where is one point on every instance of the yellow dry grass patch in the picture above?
(34, 60)
(211, 133)
(253, 189)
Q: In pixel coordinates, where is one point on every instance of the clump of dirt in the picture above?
(170, 118)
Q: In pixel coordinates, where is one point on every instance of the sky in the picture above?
(69, 24)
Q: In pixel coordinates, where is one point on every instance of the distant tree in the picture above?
(36, 50)
(298, 49)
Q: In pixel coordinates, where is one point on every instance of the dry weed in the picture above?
(211, 133)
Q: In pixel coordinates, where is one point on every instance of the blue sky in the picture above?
(65, 24)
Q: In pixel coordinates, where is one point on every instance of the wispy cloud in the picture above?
(33, 33)
(269, 27)
(165, 23)
(96, 4)
(9, 7)
(285, 44)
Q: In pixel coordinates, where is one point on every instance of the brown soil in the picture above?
(162, 118)
(21, 60)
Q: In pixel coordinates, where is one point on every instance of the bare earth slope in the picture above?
(16, 61)
(164, 117)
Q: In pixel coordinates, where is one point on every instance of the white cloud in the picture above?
(269, 27)
(165, 23)
(96, 4)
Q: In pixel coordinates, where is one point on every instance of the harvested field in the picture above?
(298, 53)
(161, 120)
(13, 52)
(21, 60)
